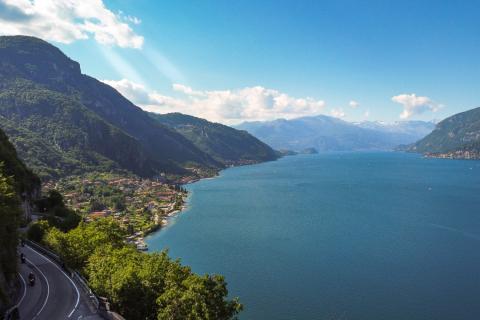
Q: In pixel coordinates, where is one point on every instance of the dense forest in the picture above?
(17, 185)
(63, 122)
(225, 144)
(457, 136)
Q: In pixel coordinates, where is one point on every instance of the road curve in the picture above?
(54, 295)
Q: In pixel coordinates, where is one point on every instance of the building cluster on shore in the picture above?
(140, 205)
(459, 154)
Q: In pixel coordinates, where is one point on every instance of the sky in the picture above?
(234, 61)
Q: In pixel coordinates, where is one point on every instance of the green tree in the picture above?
(140, 286)
(54, 199)
(77, 245)
(37, 230)
(197, 298)
(9, 221)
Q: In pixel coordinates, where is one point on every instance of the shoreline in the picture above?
(165, 220)
(454, 155)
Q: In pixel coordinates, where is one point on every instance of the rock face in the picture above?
(63, 122)
(457, 137)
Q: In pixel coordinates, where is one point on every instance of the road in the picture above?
(54, 295)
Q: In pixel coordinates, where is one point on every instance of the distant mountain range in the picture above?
(455, 137)
(63, 122)
(326, 133)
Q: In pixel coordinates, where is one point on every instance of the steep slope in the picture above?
(457, 137)
(331, 134)
(18, 185)
(64, 122)
(25, 181)
(223, 143)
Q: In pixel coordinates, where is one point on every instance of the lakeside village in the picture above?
(141, 206)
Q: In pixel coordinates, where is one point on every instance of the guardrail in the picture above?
(102, 309)
(77, 277)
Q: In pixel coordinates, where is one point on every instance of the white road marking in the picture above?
(66, 276)
(24, 290)
(48, 288)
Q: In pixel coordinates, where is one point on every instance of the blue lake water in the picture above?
(339, 236)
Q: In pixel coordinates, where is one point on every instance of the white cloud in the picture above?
(338, 113)
(131, 90)
(354, 104)
(415, 105)
(366, 114)
(67, 21)
(187, 90)
(225, 106)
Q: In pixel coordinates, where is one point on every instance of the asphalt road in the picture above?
(54, 295)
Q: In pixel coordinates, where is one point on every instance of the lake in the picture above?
(338, 236)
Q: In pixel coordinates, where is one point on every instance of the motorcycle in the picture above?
(31, 279)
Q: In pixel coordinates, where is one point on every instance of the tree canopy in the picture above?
(139, 285)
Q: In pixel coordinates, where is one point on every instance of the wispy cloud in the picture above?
(68, 21)
(338, 113)
(225, 106)
(415, 105)
(354, 104)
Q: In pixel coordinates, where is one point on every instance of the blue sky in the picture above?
(231, 61)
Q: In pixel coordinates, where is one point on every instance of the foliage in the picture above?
(138, 285)
(77, 245)
(55, 211)
(190, 296)
(24, 181)
(17, 183)
(9, 222)
(223, 143)
(460, 132)
(37, 230)
(63, 122)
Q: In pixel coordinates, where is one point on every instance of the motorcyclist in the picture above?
(22, 257)
(31, 279)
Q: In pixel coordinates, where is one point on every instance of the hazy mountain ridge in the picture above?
(326, 133)
(225, 144)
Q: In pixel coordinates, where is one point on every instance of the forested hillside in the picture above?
(455, 137)
(17, 185)
(64, 122)
(225, 144)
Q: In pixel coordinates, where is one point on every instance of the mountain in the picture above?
(404, 132)
(326, 133)
(455, 137)
(63, 122)
(224, 144)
